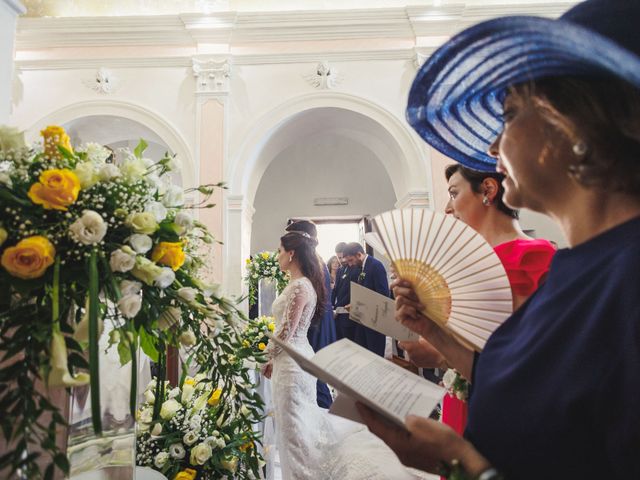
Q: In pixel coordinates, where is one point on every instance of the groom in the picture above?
(372, 275)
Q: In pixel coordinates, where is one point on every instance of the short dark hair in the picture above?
(475, 178)
(352, 249)
(340, 247)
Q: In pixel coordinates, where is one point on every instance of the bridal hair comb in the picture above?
(300, 232)
(455, 273)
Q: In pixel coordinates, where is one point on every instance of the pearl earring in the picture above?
(486, 202)
(579, 148)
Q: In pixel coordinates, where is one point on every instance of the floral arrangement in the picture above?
(264, 265)
(255, 333)
(204, 431)
(456, 385)
(89, 236)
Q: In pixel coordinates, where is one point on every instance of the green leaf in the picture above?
(124, 352)
(147, 343)
(140, 148)
(62, 462)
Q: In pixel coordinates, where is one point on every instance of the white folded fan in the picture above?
(455, 273)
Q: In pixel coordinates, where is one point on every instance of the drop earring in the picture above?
(579, 148)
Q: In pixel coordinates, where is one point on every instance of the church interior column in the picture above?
(9, 12)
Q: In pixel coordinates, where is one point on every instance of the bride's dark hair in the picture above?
(301, 238)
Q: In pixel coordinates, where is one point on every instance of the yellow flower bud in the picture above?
(30, 258)
(261, 346)
(56, 189)
(168, 253)
(186, 474)
(214, 399)
(53, 136)
(271, 326)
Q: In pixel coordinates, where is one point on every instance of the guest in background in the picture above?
(333, 265)
(341, 296)
(323, 332)
(372, 275)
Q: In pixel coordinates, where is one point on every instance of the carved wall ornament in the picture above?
(212, 75)
(324, 76)
(104, 82)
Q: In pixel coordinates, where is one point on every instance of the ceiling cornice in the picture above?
(250, 27)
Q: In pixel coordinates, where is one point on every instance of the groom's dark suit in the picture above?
(374, 277)
(341, 297)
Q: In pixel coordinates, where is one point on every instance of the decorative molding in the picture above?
(104, 82)
(415, 199)
(239, 204)
(212, 74)
(324, 76)
(258, 27)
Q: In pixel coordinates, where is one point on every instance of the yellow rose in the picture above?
(261, 346)
(56, 189)
(271, 326)
(245, 343)
(246, 446)
(29, 258)
(186, 474)
(168, 253)
(53, 136)
(214, 399)
(265, 255)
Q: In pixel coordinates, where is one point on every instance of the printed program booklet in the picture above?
(373, 310)
(360, 375)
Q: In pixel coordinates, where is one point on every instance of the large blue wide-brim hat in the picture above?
(455, 102)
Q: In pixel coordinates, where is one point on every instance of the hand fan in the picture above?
(455, 272)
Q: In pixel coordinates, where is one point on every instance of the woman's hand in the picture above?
(267, 369)
(426, 444)
(408, 309)
(424, 355)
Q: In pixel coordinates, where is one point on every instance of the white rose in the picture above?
(161, 459)
(165, 278)
(221, 443)
(142, 222)
(121, 260)
(187, 393)
(188, 294)
(108, 172)
(145, 415)
(89, 229)
(157, 429)
(183, 222)
(158, 210)
(173, 197)
(130, 305)
(230, 464)
(169, 409)
(149, 397)
(96, 152)
(188, 338)
(176, 450)
(86, 173)
(156, 183)
(133, 168)
(130, 287)
(145, 270)
(5, 179)
(190, 438)
(169, 318)
(140, 242)
(195, 421)
(200, 454)
(449, 378)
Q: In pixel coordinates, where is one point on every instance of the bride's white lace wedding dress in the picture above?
(312, 443)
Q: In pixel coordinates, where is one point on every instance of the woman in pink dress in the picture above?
(476, 199)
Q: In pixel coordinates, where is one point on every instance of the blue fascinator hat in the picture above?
(455, 102)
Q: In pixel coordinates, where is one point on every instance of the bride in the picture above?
(312, 443)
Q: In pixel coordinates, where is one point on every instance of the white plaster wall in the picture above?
(324, 165)
(9, 10)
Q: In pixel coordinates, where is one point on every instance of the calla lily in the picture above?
(81, 334)
(59, 375)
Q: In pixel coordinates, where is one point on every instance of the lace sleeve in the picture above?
(297, 299)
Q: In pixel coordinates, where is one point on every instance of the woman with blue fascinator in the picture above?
(554, 105)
